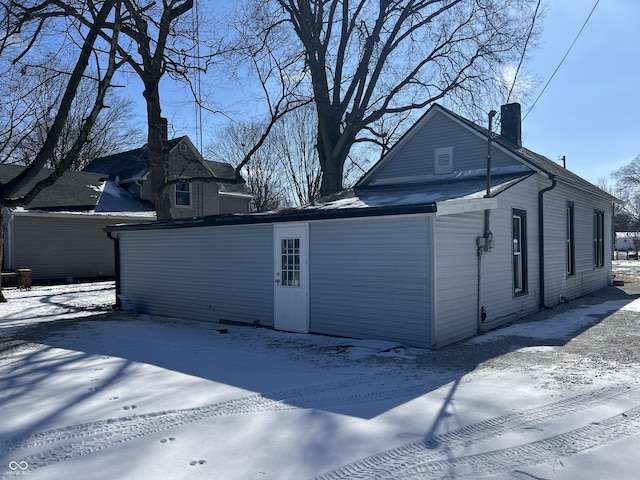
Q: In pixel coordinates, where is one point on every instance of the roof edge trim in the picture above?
(278, 217)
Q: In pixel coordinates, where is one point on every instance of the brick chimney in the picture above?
(510, 121)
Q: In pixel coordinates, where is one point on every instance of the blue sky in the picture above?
(590, 110)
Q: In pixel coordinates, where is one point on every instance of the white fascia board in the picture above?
(231, 194)
(463, 205)
(114, 216)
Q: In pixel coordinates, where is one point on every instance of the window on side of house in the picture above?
(519, 220)
(183, 194)
(443, 160)
(571, 253)
(598, 239)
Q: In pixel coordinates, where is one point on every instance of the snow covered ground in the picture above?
(89, 394)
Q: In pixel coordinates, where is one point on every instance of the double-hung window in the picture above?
(183, 194)
(598, 239)
(519, 220)
(571, 245)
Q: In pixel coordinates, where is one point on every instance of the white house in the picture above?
(417, 252)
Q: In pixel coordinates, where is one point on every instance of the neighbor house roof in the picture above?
(78, 192)
(131, 165)
(226, 171)
(126, 166)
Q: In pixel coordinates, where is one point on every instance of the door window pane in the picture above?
(290, 262)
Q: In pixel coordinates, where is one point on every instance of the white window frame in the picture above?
(598, 239)
(441, 153)
(571, 240)
(177, 192)
(519, 253)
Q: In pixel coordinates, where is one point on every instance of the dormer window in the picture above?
(443, 160)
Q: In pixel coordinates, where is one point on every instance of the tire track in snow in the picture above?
(78, 440)
(528, 455)
(390, 464)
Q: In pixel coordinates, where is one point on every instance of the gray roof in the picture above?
(129, 165)
(77, 192)
(423, 193)
(226, 171)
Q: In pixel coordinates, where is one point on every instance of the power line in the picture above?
(524, 50)
(561, 61)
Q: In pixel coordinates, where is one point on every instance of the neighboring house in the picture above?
(59, 235)
(228, 194)
(416, 252)
(626, 241)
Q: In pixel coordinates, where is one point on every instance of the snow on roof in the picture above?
(419, 193)
(117, 199)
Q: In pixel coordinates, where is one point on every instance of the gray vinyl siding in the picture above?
(61, 247)
(202, 273)
(231, 204)
(371, 278)
(497, 291)
(587, 278)
(456, 287)
(204, 201)
(416, 157)
(457, 307)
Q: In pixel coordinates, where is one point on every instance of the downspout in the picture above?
(541, 238)
(116, 251)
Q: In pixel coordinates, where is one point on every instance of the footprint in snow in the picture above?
(95, 380)
(129, 407)
(114, 398)
(165, 440)
(93, 389)
(97, 369)
(195, 463)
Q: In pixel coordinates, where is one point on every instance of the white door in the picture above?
(291, 269)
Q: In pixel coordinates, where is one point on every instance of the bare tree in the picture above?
(151, 27)
(367, 59)
(265, 64)
(28, 30)
(627, 188)
(263, 172)
(112, 131)
(295, 142)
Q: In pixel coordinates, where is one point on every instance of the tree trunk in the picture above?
(157, 151)
(333, 149)
(332, 172)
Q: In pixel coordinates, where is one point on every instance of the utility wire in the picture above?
(198, 94)
(524, 50)
(561, 61)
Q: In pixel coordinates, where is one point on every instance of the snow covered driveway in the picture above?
(95, 395)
